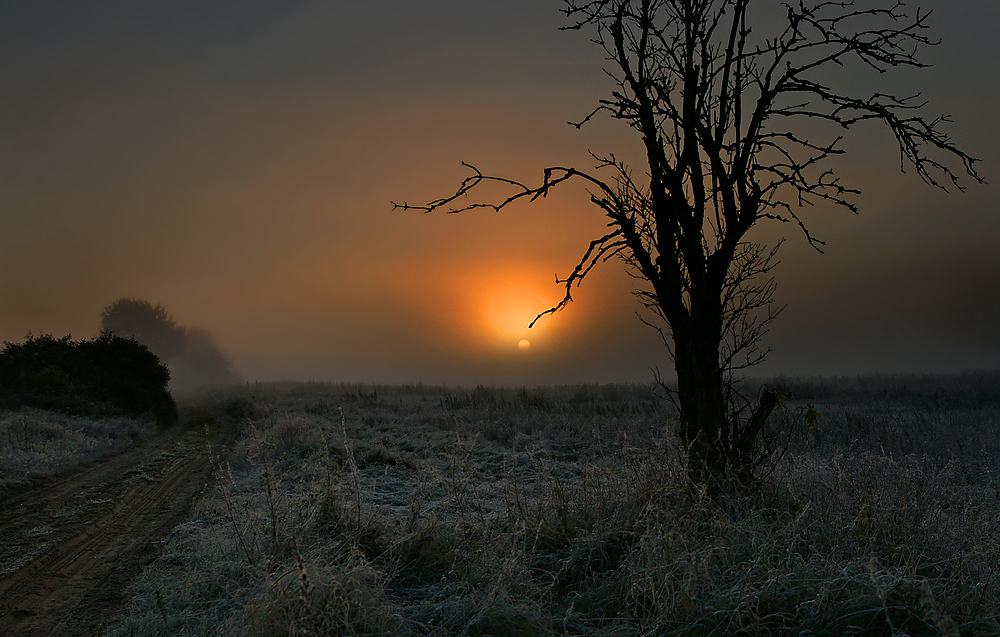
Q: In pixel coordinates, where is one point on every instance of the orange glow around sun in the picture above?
(510, 309)
(496, 303)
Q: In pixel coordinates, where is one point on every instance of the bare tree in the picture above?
(736, 130)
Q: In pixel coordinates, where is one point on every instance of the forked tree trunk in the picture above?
(720, 451)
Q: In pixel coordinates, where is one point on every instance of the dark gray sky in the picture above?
(234, 161)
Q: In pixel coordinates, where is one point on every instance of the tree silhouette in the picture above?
(736, 130)
(202, 364)
(148, 324)
(195, 360)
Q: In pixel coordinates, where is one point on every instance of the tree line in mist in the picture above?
(192, 356)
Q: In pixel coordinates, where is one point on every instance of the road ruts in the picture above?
(69, 548)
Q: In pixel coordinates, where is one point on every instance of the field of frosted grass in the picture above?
(361, 510)
(35, 442)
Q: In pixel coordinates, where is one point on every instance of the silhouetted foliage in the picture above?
(735, 126)
(148, 324)
(195, 361)
(107, 376)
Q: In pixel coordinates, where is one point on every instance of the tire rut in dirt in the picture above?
(74, 582)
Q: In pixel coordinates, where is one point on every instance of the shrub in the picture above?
(105, 377)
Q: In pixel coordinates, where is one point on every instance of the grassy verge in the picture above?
(34, 442)
(349, 510)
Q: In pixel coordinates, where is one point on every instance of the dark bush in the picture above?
(107, 376)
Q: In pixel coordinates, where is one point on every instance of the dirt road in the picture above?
(70, 546)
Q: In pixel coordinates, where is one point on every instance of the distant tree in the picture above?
(195, 360)
(202, 363)
(731, 126)
(148, 324)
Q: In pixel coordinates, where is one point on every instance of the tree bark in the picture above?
(701, 396)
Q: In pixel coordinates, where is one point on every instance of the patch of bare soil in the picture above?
(69, 546)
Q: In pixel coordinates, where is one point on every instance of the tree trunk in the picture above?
(701, 396)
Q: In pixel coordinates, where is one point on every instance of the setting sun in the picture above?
(502, 299)
(485, 308)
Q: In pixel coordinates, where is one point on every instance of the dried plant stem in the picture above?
(352, 466)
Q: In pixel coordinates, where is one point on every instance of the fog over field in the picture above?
(235, 162)
(320, 318)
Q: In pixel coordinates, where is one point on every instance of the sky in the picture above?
(236, 160)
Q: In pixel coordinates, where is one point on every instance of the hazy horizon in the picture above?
(235, 162)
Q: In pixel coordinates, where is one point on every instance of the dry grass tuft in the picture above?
(312, 599)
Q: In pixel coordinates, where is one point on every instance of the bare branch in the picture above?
(730, 124)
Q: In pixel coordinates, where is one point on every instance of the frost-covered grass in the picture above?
(359, 510)
(35, 442)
